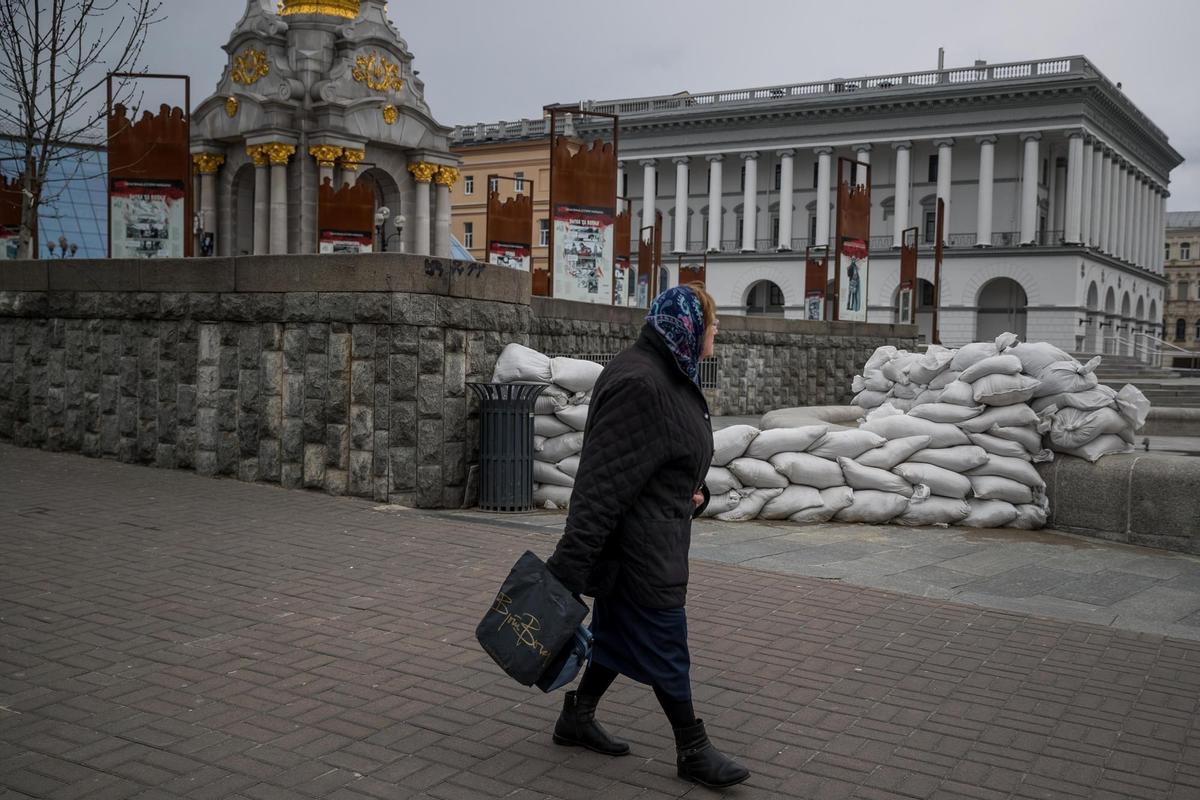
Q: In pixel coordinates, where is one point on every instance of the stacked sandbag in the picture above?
(560, 416)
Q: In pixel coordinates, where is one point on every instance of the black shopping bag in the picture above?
(531, 621)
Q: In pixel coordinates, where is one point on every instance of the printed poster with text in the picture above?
(147, 219)
(513, 256)
(852, 264)
(583, 254)
(346, 242)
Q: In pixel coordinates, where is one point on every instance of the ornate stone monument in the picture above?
(316, 92)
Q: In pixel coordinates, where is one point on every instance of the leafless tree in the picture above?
(54, 58)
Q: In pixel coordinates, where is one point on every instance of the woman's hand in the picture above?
(697, 499)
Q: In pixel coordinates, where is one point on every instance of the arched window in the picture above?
(764, 297)
(1198, 330)
(1180, 330)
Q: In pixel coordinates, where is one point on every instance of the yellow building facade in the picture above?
(527, 160)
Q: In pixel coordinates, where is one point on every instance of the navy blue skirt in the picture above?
(648, 645)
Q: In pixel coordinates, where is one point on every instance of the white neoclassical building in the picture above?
(1054, 183)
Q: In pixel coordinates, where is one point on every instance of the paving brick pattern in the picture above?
(167, 635)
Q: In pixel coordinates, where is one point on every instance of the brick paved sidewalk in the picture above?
(166, 635)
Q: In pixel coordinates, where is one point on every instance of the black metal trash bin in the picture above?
(506, 444)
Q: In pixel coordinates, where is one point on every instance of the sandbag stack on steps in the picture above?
(560, 416)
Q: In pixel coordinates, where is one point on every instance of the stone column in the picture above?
(1029, 188)
(279, 154)
(349, 167)
(786, 190)
(1147, 223)
(714, 203)
(750, 203)
(945, 149)
(862, 152)
(620, 184)
(1097, 194)
(649, 191)
(207, 165)
(1160, 208)
(1074, 193)
(445, 178)
(326, 155)
(987, 175)
(1139, 220)
(823, 154)
(681, 204)
(1122, 211)
(1085, 200)
(1110, 222)
(422, 173)
(262, 199)
(900, 217)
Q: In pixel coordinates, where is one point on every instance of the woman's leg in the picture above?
(679, 712)
(596, 680)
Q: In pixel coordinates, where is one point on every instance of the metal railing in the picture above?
(1152, 349)
(710, 368)
(983, 73)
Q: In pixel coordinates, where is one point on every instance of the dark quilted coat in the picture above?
(646, 450)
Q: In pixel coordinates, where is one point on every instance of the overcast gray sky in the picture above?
(484, 60)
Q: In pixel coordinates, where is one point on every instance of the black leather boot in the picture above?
(577, 727)
(699, 761)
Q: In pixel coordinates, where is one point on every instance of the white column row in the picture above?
(1109, 205)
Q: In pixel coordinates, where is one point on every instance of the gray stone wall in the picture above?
(762, 363)
(343, 374)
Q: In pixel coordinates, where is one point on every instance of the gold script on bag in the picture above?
(524, 625)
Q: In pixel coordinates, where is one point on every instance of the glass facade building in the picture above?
(75, 199)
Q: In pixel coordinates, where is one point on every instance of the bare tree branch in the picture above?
(54, 55)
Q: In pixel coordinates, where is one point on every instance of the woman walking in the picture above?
(646, 451)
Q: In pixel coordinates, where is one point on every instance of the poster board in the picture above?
(622, 263)
(149, 180)
(509, 225)
(816, 282)
(10, 217)
(346, 218)
(906, 303)
(852, 276)
(583, 207)
(146, 219)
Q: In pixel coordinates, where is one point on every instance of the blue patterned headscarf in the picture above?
(678, 317)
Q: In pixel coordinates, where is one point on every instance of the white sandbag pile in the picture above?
(1011, 399)
(560, 416)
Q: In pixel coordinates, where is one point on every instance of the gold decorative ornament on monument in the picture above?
(422, 172)
(258, 154)
(377, 73)
(447, 176)
(325, 154)
(207, 163)
(249, 66)
(231, 106)
(278, 152)
(345, 9)
(352, 158)
(390, 114)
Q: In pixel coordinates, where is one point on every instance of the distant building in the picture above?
(1055, 186)
(1181, 325)
(74, 205)
(514, 149)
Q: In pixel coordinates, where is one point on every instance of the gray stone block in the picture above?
(402, 377)
(430, 397)
(361, 481)
(362, 381)
(292, 441)
(429, 442)
(337, 446)
(403, 466)
(1164, 501)
(414, 309)
(336, 481)
(362, 427)
(314, 466)
(429, 487)
(402, 424)
(300, 307)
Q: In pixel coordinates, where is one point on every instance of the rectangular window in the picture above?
(933, 164)
(742, 185)
(778, 177)
(774, 228)
(543, 232)
(854, 173)
(1167, 251)
(930, 227)
(468, 235)
(468, 184)
(1181, 291)
(1185, 251)
(812, 229)
(493, 184)
(816, 169)
(1045, 171)
(519, 183)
